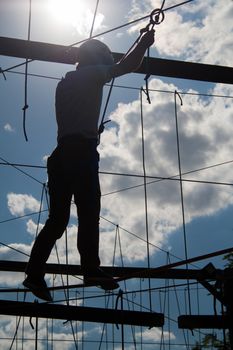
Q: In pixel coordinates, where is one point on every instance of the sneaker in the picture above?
(97, 277)
(38, 287)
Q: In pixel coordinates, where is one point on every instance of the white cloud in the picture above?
(189, 32)
(77, 14)
(45, 158)
(155, 334)
(205, 139)
(14, 251)
(33, 227)
(8, 127)
(19, 204)
(62, 336)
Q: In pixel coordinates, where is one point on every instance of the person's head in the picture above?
(94, 52)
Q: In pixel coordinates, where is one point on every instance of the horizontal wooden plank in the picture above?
(203, 322)
(116, 271)
(154, 66)
(79, 313)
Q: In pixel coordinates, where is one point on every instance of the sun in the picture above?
(75, 13)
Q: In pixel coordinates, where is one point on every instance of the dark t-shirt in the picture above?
(78, 100)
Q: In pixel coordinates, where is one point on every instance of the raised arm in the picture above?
(133, 60)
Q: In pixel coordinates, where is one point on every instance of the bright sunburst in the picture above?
(75, 13)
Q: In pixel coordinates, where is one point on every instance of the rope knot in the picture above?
(25, 107)
(2, 72)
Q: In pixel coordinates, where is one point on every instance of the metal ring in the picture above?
(155, 16)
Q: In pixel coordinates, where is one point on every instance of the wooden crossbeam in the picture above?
(203, 321)
(78, 313)
(154, 66)
(20, 266)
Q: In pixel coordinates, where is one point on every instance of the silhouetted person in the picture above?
(73, 165)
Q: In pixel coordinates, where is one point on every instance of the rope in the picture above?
(16, 332)
(21, 171)
(181, 188)
(145, 194)
(102, 122)
(125, 286)
(94, 17)
(16, 250)
(26, 76)
(177, 299)
(2, 72)
(131, 22)
(155, 19)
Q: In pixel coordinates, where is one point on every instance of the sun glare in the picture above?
(75, 13)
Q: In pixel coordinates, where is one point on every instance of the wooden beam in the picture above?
(154, 66)
(20, 266)
(203, 321)
(78, 313)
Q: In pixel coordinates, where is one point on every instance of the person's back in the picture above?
(78, 100)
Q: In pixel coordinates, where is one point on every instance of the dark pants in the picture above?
(72, 170)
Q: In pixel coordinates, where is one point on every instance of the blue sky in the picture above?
(198, 32)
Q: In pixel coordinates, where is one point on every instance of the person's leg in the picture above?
(59, 212)
(87, 199)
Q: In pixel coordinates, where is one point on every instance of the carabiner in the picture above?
(156, 16)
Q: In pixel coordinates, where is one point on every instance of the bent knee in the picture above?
(57, 226)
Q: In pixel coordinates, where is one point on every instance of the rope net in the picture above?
(158, 137)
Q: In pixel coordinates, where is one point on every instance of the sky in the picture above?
(200, 31)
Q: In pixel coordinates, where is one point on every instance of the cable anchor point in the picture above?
(156, 17)
(2, 72)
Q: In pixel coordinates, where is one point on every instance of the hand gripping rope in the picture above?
(156, 17)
